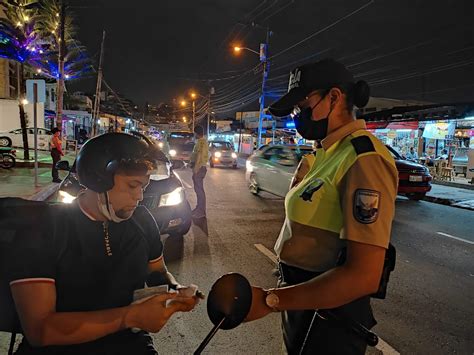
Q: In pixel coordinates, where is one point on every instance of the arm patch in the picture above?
(363, 144)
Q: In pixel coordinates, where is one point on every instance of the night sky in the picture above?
(158, 50)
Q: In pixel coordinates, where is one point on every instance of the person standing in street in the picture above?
(55, 146)
(199, 160)
(336, 235)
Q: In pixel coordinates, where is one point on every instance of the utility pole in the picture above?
(194, 112)
(98, 88)
(264, 60)
(211, 92)
(60, 81)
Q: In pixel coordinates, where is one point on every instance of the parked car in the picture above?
(414, 180)
(16, 138)
(164, 197)
(272, 167)
(222, 153)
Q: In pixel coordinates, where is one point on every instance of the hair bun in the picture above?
(361, 93)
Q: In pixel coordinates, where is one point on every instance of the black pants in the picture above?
(198, 182)
(121, 343)
(326, 336)
(56, 157)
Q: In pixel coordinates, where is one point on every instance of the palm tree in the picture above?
(20, 42)
(76, 63)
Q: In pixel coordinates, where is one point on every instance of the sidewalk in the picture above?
(451, 196)
(20, 181)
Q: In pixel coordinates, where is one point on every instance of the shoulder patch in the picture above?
(362, 144)
(366, 205)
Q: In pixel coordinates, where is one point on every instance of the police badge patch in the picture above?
(366, 206)
(310, 189)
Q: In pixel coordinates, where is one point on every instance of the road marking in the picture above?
(457, 238)
(385, 348)
(382, 346)
(265, 251)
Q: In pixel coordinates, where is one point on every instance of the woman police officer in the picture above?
(336, 232)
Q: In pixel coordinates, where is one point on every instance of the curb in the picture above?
(45, 193)
(454, 184)
(448, 202)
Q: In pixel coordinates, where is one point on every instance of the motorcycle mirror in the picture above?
(230, 298)
(228, 304)
(63, 165)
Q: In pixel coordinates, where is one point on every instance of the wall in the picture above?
(10, 115)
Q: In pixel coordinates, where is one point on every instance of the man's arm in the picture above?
(42, 325)
(158, 274)
(58, 145)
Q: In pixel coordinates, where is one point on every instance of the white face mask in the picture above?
(106, 208)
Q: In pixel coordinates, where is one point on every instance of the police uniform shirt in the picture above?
(349, 194)
(71, 252)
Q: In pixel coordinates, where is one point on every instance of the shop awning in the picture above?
(403, 125)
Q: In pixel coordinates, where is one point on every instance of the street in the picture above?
(429, 307)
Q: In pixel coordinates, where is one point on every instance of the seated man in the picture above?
(73, 283)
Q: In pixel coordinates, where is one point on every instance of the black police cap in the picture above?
(308, 78)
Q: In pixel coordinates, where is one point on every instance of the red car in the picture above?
(414, 180)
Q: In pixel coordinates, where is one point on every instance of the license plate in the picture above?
(415, 178)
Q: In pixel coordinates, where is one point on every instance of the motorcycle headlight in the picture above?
(173, 198)
(173, 152)
(234, 156)
(66, 197)
(217, 154)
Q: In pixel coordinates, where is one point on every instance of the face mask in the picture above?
(106, 208)
(306, 127)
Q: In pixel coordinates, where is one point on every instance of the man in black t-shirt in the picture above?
(73, 283)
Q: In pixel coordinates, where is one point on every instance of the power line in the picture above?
(324, 29)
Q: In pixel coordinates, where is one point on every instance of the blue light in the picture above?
(290, 124)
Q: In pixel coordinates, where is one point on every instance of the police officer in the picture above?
(73, 282)
(338, 218)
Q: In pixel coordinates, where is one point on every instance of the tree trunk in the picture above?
(23, 123)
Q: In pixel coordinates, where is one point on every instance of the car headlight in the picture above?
(217, 154)
(234, 156)
(173, 152)
(66, 197)
(173, 198)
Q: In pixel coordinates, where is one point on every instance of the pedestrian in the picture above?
(55, 145)
(73, 283)
(412, 155)
(336, 233)
(199, 159)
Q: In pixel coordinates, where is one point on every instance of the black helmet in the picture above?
(101, 156)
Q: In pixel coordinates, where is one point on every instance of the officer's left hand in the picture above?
(259, 308)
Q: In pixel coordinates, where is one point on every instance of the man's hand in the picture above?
(153, 314)
(259, 308)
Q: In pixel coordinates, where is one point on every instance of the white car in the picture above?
(16, 138)
(272, 167)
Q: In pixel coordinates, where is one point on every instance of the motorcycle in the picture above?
(7, 157)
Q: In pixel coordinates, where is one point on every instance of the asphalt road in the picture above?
(430, 303)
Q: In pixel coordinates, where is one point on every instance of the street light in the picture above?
(184, 119)
(183, 103)
(238, 49)
(263, 59)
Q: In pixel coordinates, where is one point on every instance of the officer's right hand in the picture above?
(152, 314)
